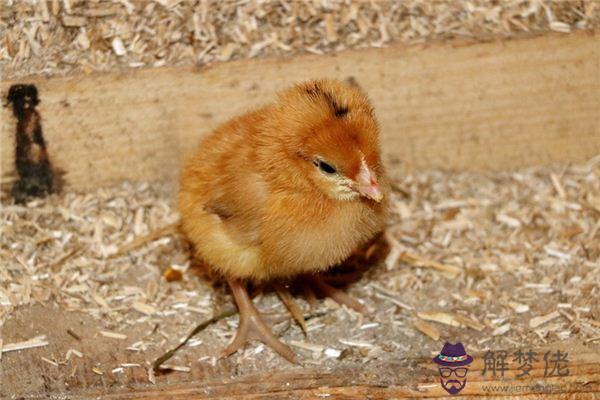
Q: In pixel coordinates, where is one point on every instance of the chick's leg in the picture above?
(292, 306)
(252, 325)
(310, 296)
(336, 294)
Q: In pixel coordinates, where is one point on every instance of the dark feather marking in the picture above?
(338, 110)
(313, 90)
(302, 155)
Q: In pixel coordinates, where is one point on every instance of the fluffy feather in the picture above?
(258, 200)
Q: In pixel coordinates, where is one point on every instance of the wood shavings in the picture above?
(389, 295)
(416, 260)
(541, 320)
(330, 29)
(557, 253)
(332, 353)
(558, 186)
(73, 21)
(441, 317)
(74, 352)
(129, 7)
(177, 368)
(55, 267)
(393, 300)
(82, 40)
(144, 308)
(151, 376)
(469, 322)
(141, 241)
(113, 335)
(508, 221)
(456, 320)
(43, 6)
(46, 360)
(355, 343)
(104, 11)
(369, 326)
(308, 346)
(39, 341)
(560, 27)
(427, 329)
(171, 32)
(130, 365)
(518, 307)
(67, 5)
(33, 43)
(118, 46)
(227, 52)
(501, 330)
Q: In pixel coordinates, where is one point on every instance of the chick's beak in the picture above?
(366, 184)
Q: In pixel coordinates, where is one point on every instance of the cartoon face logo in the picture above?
(453, 363)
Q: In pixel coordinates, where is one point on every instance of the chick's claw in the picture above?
(252, 326)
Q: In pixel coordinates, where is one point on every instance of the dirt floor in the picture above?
(495, 260)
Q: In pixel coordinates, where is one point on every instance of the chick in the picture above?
(286, 190)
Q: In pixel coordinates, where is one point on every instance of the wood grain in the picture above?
(407, 378)
(451, 105)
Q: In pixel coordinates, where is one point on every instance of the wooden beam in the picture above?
(406, 378)
(451, 105)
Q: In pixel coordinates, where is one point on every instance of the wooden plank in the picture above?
(408, 378)
(452, 105)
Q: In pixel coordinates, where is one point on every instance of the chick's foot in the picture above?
(252, 326)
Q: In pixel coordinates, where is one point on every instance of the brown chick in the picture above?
(289, 189)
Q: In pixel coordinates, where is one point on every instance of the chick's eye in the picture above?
(323, 166)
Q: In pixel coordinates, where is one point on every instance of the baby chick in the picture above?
(289, 189)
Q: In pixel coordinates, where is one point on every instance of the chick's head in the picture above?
(331, 132)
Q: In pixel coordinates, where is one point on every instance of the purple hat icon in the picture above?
(453, 355)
